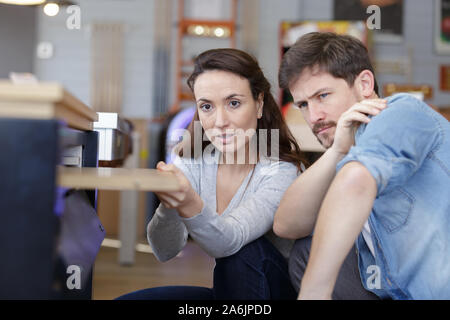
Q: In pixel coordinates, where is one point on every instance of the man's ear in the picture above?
(365, 83)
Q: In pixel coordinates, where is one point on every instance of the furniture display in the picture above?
(48, 196)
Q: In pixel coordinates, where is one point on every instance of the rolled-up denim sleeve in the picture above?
(394, 144)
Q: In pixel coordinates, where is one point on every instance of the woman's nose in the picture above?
(221, 117)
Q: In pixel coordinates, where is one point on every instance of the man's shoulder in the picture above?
(402, 110)
(404, 100)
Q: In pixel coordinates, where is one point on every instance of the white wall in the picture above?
(17, 39)
(149, 64)
(271, 14)
(418, 36)
(261, 40)
(71, 62)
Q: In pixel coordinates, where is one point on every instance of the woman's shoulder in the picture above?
(270, 167)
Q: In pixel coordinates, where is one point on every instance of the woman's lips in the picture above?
(225, 138)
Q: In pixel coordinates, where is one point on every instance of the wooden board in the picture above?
(116, 179)
(44, 101)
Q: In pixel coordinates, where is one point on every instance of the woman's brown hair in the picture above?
(244, 65)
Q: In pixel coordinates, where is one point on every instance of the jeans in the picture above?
(348, 284)
(256, 272)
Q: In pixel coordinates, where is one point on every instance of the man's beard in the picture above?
(325, 141)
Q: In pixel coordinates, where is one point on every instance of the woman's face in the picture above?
(226, 108)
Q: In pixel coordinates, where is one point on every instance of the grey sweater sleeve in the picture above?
(166, 232)
(224, 235)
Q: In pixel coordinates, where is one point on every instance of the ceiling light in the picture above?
(219, 32)
(23, 2)
(199, 30)
(51, 9)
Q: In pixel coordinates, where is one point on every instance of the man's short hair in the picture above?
(342, 56)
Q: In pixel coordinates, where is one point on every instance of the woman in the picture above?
(229, 191)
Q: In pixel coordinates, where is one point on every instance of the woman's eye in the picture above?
(323, 95)
(234, 103)
(206, 107)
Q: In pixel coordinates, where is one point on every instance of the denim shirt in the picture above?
(406, 148)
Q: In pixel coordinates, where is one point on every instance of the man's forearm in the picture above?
(346, 207)
(297, 212)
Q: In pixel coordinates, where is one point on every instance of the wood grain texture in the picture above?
(44, 101)
(117, 179)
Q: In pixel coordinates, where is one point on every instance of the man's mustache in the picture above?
(321, 125)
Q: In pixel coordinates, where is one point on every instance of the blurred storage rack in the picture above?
(193, 27)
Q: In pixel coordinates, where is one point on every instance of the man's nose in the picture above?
(316, 114)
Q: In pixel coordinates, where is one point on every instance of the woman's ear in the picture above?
(365, 83)
(260, 105)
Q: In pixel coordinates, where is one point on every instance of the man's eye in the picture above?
(323, 95)
(302, 105)
(206, 107)
(235, 103)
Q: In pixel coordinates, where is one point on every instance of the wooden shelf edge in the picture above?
(46, 92)
(137, 179)
(210, 23)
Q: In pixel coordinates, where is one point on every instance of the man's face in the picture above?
(322, 99)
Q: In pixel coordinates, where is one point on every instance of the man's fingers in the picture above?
(349, 118)
(356, 117)
(374, 101)
(377, 103)
(372, 109)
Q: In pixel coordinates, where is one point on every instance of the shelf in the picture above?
(210, 23)
(116, 179)
(228, 24)
(44, 101)
(209, 33)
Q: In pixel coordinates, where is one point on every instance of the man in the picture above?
(383, 182)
